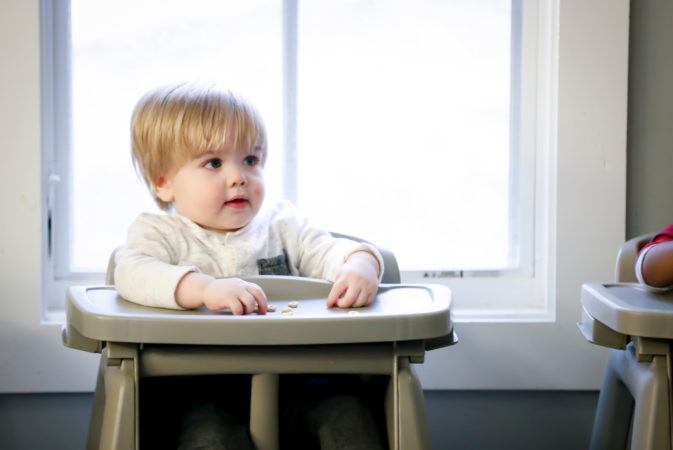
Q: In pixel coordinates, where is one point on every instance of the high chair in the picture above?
(138, 343)
(634, 406)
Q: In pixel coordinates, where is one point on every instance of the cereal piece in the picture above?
(271, 308)
(287, 313)
(353, 313)
(287, 309)
(293, 304)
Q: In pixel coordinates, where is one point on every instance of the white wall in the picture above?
(31, 355)
(587, 223)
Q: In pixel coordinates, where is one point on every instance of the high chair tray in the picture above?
(629, 309)
(399, 313)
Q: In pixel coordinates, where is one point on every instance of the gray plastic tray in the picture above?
(399, 313)
(630, 309)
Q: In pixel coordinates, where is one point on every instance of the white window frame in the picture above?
(583, 227)
(519, 294)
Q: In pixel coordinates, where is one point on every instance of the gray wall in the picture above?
(467, 419)
(650, 132)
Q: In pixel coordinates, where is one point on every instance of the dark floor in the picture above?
(510, 420)
(467, 420)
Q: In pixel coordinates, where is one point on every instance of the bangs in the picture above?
(217, 122)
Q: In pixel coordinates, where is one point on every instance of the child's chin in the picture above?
(233, 226)
(226, 227)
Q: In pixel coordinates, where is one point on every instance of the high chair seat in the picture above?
(382, 339)
(634, 406)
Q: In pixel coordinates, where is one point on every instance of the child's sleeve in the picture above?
(145, 268)
(316, 253)
(639, 265)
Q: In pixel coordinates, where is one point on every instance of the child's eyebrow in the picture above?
(219, 153)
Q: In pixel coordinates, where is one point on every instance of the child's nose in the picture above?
(235, 177)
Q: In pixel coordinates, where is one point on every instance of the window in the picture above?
(415, 120)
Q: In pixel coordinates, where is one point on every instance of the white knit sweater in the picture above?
(161, 249)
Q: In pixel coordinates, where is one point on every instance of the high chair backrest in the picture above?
(626, 258)
(391, 271)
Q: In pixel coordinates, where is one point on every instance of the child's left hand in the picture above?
(356, 283)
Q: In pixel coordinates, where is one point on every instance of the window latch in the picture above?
(52, 181)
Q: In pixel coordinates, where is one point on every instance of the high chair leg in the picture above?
(96, 422)
(647, 383)
(613, 412)
(413, 424)
(118, 425)
(264, 411)
(411, 420)
(114, 418)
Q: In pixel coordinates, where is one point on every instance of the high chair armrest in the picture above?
(391, 271)
(110, 272)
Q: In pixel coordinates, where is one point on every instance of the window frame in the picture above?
(593, 64)
(521, 290)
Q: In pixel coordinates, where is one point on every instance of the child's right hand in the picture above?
(241, 297)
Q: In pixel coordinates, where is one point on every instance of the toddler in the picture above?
(201, 151)
(654, 266)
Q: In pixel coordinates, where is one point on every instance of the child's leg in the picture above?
(208, 426)
(344, 422)
(331, 412)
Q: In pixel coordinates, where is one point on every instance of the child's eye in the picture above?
(214, 163)
(251, 160)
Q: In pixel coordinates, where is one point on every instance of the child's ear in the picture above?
(163, 189)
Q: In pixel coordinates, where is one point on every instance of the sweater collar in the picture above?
(214, 234)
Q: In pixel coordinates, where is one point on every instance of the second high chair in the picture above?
(138, 343)
(634, 406)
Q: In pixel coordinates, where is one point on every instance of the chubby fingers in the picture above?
(359, 299)
(338, 290)
(250, 299)
(240, 296)
(345, 296)
(246, 303)
(364, 299)
(259, 297)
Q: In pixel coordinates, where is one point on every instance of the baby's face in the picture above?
(221, 190)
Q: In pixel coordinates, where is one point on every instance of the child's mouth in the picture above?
(236, 203)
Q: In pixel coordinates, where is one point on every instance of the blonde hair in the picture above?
(173, 124)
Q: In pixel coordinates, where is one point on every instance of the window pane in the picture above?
(404, 126)
(403, 123)
(122, 49)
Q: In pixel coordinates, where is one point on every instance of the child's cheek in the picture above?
(259, 190)
(217, 194)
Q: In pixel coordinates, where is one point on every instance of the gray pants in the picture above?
(338, 421)
(207, 425)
